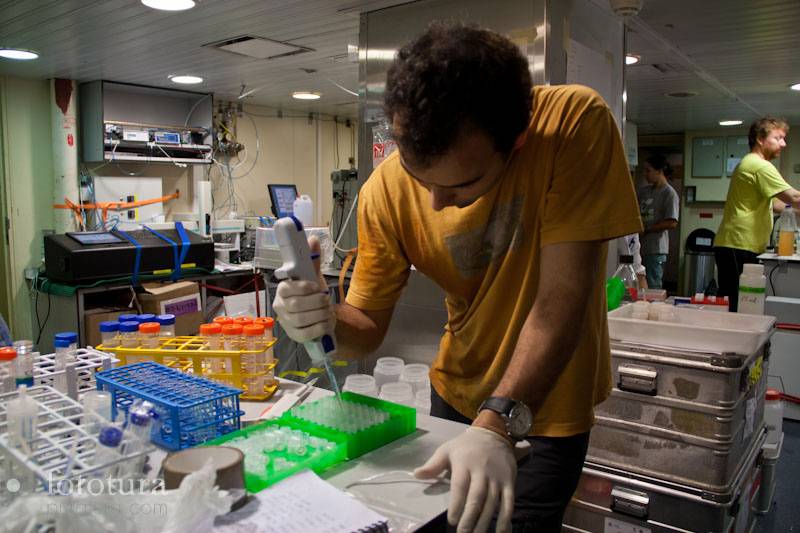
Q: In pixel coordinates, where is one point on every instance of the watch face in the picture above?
(520, 421)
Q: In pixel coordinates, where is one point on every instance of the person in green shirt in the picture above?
(757, 190)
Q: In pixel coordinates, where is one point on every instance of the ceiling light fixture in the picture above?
(795, 87)
(730, 122)
(632, 59)
(169, 5)
(305, 95)
(185, 79)
(18, 53)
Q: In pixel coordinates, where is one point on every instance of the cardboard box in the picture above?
(92, 319)
(181, 299)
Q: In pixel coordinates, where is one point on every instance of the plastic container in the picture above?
(253, 340)
(303, 210)
(398, 420)
(223, 320)
(615, 290)
(773, 416)
(62, 359)
(752, 289)
(25, 360)
(191, 410)
(787, 231)
(146, 317)
(167, 323)
(232, 336)
(269, 457)
(127, 318)
(416, 375)
(109, 331)
(398, 392)
(108, 450)
(422, 402)
(387, 370)
(269, 354)
(97, 407)
(140, 424)
(8, 369)
(212, 334)
(71, 336)
(361, 384)
(129, 334)
(22, 418)
(243, 320)
(627, 275)
(149, 333)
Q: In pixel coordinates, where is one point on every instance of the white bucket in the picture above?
(304, 210)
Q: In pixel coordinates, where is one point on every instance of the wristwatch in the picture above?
(517, 415)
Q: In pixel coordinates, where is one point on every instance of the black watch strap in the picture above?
(498, 404)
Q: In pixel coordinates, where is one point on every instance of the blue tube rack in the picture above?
(190, 410)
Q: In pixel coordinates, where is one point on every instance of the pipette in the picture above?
(298, 264)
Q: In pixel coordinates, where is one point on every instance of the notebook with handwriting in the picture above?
(303, 503)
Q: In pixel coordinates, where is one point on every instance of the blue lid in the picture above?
(146, 317)
(61, 343)
(165, 320)
(126, 318)
(140, 417)
(127, 327)
(110, 325)
(71, 336)
(110, 436)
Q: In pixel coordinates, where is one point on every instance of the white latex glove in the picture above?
(482, 474)
(303, 307)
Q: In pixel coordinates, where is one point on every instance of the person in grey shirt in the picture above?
(658, 206)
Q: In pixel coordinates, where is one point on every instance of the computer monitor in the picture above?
(282, 197)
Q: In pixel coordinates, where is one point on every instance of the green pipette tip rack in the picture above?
(393, 421)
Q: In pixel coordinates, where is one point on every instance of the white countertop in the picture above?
(775, 257)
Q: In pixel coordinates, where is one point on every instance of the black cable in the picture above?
(771, 286)
(341, 214)
(46, 318)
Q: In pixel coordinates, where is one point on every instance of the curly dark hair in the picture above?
(659, 162)
(452, 77)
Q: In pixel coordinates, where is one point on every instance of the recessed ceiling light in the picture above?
(795, 87)
(632, 59)
(729, 122)
(186, 80)
(18, 54)
(305, 95)
(169, 5)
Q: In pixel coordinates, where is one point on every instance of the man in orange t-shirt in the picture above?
(503, 194)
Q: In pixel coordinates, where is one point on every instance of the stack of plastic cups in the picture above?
(25, 355)
(387, 370)
(145, 317)
(127, 318)
(253, 363)
(8, 369)
(361, 384)
(62, 358)
(149, 333)
(232, 339)
(109, 332)
(398, 392)
(129, 334)
(269, 354)
(167, 323)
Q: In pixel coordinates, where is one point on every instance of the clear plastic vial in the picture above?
(361, 384)
(25, 356)
(109, 331)
(232, 336)
(752, 289)
(223, 320)
(167, 323)
(243, 320)
(254, 363)
(127, 318)
(22, 416)
(62, 358)
(149, 333)
(398, 393)
(416, 375)
(8, 369)
(387, 370)
(773, 416)
(145, 317)
(129, 334)
(70, 336)
(269, 354)
(107, 450)
(212, 335)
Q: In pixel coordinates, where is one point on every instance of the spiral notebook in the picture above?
(303, 503)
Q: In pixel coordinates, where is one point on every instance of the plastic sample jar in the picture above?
(109, 331)
(97, 406)
(361, 384)
(243, 320)
(773, 416)
(8, 369)
(146, 317)
(129, 334)
(387, 370)
(127, 318)
(71, 336)
(149, 332)
(398, 392)
(212, 334)
(254, 363)
(232, 336)
(167, 323)
(422, 401)
(416, 375)
(223, 320)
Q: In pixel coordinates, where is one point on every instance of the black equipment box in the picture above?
(92, 256)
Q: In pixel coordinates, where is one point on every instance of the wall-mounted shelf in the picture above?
(125, 122)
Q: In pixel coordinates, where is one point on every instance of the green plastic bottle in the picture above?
(615, 290)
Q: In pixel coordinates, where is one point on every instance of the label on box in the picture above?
(182, 305)
(617, 526)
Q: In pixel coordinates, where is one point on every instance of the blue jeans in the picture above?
(654, 266)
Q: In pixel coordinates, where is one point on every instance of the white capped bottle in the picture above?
(752, 284)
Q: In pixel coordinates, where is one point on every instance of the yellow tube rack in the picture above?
(192, 356)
